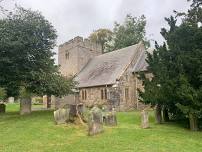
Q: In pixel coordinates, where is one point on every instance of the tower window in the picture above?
(126, 93)
(67, 55)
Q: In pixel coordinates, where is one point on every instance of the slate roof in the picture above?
(105, 69)
(141, 64)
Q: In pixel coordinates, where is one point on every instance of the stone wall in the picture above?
(130, 83)
(75, 54)
(127, 81)
(93, 95)
(62, 102)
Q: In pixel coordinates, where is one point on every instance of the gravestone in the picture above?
(95, 123)
(110, 118)
(73, 110)
(11, 100)
(144, 119)
(61, 116)
(2, 108)
(25, 106)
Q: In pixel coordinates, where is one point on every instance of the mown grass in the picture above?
(38, 133)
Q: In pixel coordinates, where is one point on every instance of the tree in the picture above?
(26, 59)
(2, 98)
(131, 32)
(101, 36)
(179, 63)
(25, 46)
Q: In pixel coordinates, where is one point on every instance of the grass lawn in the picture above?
(38, 133)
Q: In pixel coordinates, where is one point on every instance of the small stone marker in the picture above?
(61, 116)
(95, 123)
(25, 106)
(11, 100)
(144, 119)
(110, 118)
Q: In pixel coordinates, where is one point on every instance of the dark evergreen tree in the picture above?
(177, 67)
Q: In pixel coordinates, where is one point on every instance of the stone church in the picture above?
(109, 79)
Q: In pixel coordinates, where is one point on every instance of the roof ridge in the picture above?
(116, 51)
(107, 68)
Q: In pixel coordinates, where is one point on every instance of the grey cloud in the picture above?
(81, 17)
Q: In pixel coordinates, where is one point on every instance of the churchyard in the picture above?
(37, 132)
(115, 90)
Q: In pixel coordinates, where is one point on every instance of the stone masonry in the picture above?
(75, 54)
(83, 59)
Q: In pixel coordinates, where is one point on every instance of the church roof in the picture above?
(141, 64)
(105, 69)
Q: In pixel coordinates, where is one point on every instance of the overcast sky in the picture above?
(80, 17)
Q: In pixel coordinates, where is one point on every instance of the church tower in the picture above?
(75, 54)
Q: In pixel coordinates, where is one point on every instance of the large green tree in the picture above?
(177, 67)
(101, 36)
(130, 32)
(26, 56)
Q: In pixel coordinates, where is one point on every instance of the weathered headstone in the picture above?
(11, 100)
(95, 123)
(25, 106)
(2, 108)
(45, 101)
(144, 119)
(61, 116)
(110, 118)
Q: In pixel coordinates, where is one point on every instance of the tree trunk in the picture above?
(193, 122)
(158, 114)
(25, 106)
(2, 108)
(165, 115)
(48, 102)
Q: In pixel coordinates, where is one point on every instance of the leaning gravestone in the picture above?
(95, 123)
(25, 106)
(110, 118)
(61, 116)
(144, 119)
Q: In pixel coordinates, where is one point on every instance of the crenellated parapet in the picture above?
(75, 54)
(79, 41)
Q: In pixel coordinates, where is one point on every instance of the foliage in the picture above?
(101, 36)
(2, 94)
(26, 59)
(177, 67)
(51, 84)
(131, 32)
